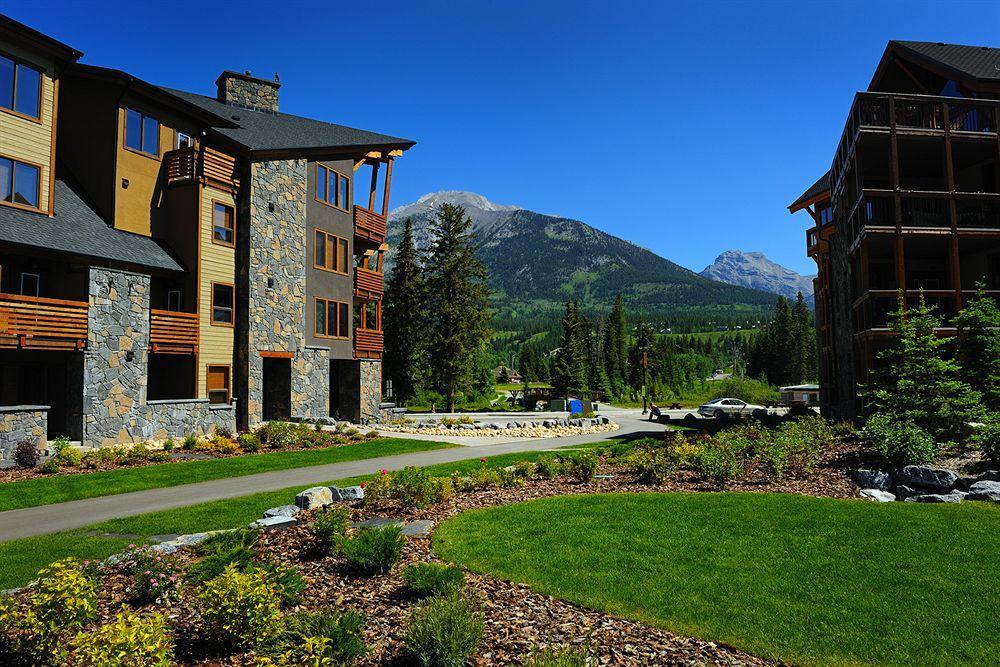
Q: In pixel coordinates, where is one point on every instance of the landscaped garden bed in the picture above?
(538, 428)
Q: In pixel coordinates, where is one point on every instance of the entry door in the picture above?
(277, 383)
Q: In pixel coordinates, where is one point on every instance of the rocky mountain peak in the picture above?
(755, 270)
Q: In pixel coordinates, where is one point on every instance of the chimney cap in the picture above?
(247, 76)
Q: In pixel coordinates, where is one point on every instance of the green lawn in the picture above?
(805, 580)
(61, 488)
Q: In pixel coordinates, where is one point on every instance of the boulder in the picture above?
(316, 497)
(468, 427)
(605, 420)
(419, 528)
(284, 510)
(272, 522)
(902, 491)
(928, 477)
(985, 490)
(549, 423)
(953, 497)
(877, 495)
(351, 493)
(872, 479)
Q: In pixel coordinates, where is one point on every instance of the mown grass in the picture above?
(62, 488)
(806, 580)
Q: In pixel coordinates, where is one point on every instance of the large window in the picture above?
(332, 187)
(142, 132)
(223, 304)
(223, 224)
(19, 183)
(332, 319)
(332, 253)
(217, 384)
(20, 88)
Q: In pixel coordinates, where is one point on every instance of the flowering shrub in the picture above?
(241, 608)
(128, 641)
(547, 466)
(155, 577)
(224, 445)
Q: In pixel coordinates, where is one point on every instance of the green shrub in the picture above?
(71, 456)
(155, 576)
(190, 442)
(721, 459)
(412, 487)
(547, 467)
(287, 582)
(444, 632)
(509, 478)
(222, 550)
(650, 465)
(444, 489)
(136, 453)
(374, 550)
(319, 638)
(426, 579)
(282, 435)
(63, 600)
(60, 443)
(566, 656)
(128, 641)
(249, 442)
(51, 466)
(987, 438)
(484, 477)
(330, 527)
(241, 608)
(747, 389)
(582, 466)
(900, 442)
(524, 469)
(377, 488)
(169, 445)
(448, 421)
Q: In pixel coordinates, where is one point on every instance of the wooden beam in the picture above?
(358, 163)
(374, 187)
(385, 193)
(375, 155)
(270, 354)
(395, 153)
(908, 73)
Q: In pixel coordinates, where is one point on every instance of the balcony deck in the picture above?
(368, 284)
(871, 310)
(173, 332)
(207, 165)
(369, 227)
(42, 323)
(368, 344)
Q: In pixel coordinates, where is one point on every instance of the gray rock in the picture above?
(985, 490)
(467, 427)
(284, 510)
(953, 497)
(419, 528)
(605, 420)
(877, 495)
(317, 496)
(928, 477)
(872, 479)
(902, 491)
(351, 493)
(379, 522)
(272, 522)
(549, 423)
(495, 426)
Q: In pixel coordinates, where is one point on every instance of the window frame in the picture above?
(142, 133)
(327, 329)
(18, 63)
(13, 175)
(218, 202)
(232, 308)
(229, 383)
(328, 238)
(177, 140)
(38, 284)
(179, 300)
(322, 168)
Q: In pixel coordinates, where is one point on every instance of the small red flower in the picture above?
(482, 460)
(363, 484)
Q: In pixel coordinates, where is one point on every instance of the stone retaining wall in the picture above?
(172, 419)
(21, 422)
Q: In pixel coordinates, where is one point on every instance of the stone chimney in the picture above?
(247, 91)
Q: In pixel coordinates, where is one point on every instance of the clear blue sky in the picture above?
(684, 127)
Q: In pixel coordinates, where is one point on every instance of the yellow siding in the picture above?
(135, 206)
(218, 264)
(25, 139)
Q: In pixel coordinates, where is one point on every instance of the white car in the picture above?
(721, 408)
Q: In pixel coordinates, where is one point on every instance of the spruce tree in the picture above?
(569, 376)
(457, 303)
(979, 346)
(615, 347)
(405, 322)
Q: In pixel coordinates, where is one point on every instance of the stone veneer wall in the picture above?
(254, 94)
(371, 390)
(844, 405)
(311, 383)
(21, 422)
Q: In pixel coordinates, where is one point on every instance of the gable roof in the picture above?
(18, 32)
(816, 192)
(262, 131)
(76, 228)
(961, 62)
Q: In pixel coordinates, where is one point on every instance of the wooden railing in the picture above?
(368, 226)
(172, 332)
(368, 284)
(39, 322)
(187, 165)
(367, 344)
(181, 165)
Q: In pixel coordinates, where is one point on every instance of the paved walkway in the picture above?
(31, 521)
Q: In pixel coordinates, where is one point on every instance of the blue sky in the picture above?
(684, 127)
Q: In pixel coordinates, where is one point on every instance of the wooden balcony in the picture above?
(369, 227)
(205, 165)
(42, 323)
(172, 332)
(368, 284)
(367, 344)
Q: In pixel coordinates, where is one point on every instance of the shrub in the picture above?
(249, 442)
(222, 550)
(127, 641)
(222, 431)
(169, 445)
(190, 442)
(26, 454)
(377, 488)
(224, 445)
(509, 478)
(63, 597)
(287, 582)
(987, 438)
(900, 442)
(136, 453)
(444, 489)
(51, 466)
(330, 527)
(484, 477)
(582, 466)
(426, 579)
(155, 576)
(91, 459)
(371, 435)
(721, 459)
(375, 550)
(412, 487)
(524, 469)
(566, 656)
(745, 388)
(448, 421)
(241, 608)
(444, 632)
(159, 456)
(319, 638)
(282, 435)
(547, 466)
(650, 465)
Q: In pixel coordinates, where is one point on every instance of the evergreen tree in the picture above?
(979, 346)
(504, 377)
(805, 358)
(639, 356)
(458, 302)
(615, 347)
(569, 373)
(405, 322)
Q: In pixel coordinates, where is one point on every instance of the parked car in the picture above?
(722, 408)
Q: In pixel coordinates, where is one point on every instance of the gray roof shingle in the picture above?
(819, 187)
(976, 62)
(76, 228)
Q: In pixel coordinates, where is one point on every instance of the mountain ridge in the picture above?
(756, 271)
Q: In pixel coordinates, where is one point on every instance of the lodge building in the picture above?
(911, 202)
(171, 261)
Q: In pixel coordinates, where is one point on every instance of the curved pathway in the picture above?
(31, 521)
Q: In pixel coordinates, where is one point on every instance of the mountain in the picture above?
(537, 261)
(754, 270)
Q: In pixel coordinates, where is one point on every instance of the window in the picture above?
(223, 304)
(30, 283)
(332, 253)
(368, 316)
(184, 141)
(223, 224)
(142, 133)
(332, 319)
(19, 183)
(217, 384)
(332, 187)
(174, 300)
(20, 88)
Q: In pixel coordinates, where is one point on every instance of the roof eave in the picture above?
(40, 41)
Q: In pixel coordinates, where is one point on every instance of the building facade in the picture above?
(910, 205)
(171, 262)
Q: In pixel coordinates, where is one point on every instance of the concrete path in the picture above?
(31, 521)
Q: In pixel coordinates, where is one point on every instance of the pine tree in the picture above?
(404, 321)
(805, 359)
(979, 346)
(458, 302)
(569, 375)
(615, 347)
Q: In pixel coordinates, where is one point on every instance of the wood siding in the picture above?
(218, 264)
(137, 205)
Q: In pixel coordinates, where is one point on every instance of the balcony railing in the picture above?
(189, 165)
(172, 332)
(368, 226)
(367, 344)
(872, 309)
(368, 284)
(42, 323)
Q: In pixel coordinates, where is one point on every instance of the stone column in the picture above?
(371, 389)
(311, 383)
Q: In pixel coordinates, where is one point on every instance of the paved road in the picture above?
(16, 524)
